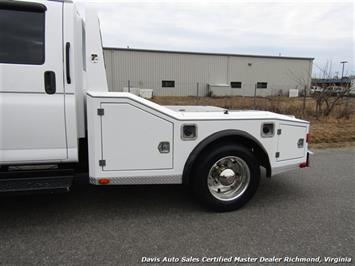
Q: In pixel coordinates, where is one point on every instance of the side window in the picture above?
(236, 85)
(261, 85)
(168, 83)
(22, 36)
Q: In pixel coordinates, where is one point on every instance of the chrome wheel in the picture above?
(228, 178)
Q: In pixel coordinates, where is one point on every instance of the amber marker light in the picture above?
(104, 181)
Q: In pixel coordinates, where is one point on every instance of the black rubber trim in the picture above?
(35, 184)
(14, 174)
(221, 134)
(308, 164)
(50, 82)
(22, 6)
(67, 61)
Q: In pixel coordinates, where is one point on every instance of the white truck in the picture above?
(58, 119)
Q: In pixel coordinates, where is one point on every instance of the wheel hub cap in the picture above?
(228, 178)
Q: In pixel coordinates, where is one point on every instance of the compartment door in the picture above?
(131, 138)
(291, 142)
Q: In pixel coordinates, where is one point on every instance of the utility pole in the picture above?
(342, 72)
(342, 75)
(255, 96)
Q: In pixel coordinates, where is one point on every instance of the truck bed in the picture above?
(126, 131)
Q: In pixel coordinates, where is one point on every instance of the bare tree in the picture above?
(330, 95)
(303, 80)
(328, 98)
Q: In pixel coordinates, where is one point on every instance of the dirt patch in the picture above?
(332, 145)
(332, 131)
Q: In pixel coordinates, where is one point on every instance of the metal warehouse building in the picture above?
(173, 73)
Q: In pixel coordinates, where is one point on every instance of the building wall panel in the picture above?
(146, 69)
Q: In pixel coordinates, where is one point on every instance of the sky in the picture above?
(323, 30)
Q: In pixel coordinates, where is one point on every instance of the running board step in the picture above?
(36, 181)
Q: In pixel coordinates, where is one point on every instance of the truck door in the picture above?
(32, 120)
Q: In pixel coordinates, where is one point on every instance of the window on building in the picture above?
(22, 36)
(236, 85)
(168, 83)
(261, 85)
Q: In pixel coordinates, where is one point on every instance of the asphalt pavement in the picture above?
(303, 213)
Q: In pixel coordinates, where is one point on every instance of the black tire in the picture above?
(207, 160)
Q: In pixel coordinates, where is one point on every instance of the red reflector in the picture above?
(104, 181)
(308, 138)
(303, 165)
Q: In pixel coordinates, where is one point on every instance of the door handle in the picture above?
(67, 61)
(49, 82)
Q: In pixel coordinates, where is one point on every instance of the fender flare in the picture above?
(223, 135)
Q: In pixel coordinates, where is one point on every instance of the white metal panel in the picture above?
(32, 127)
(208, 123)
(95, 64)
(131, 136)
(288, 139)
(32, 122)
(94, 136)
(75, 110)
(74, 98)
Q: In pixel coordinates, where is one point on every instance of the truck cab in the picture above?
(43, 66)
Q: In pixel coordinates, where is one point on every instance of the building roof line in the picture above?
(205, 53)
